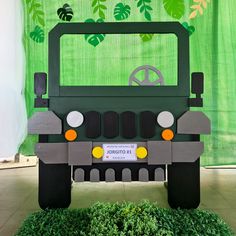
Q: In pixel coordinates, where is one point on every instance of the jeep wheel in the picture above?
(184, 185)
(54, 185)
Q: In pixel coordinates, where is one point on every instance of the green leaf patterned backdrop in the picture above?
(211, 25)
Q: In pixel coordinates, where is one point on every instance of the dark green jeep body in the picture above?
(132, 106)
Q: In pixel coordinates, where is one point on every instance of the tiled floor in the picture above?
(18, 195)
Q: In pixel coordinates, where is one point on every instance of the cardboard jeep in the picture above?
(120, 133)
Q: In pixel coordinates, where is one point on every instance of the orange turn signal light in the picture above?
(70, 135)
(167, 134)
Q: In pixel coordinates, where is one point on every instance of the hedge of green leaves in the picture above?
(124, 219)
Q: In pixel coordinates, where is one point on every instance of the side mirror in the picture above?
(197, 87)
(40, 84)
(197, 83)
(40, 88)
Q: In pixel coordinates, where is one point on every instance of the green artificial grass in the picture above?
(124, 219)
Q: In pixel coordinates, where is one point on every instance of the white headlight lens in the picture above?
(75, 119)
(165, 119)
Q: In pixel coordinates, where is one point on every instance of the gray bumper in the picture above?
(79, 153)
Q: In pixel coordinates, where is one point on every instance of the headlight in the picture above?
(75, 119)
(165, 119)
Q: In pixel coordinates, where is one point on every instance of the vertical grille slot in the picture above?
(111, 124)
(128, 125)
(92, 124)
(147, 124)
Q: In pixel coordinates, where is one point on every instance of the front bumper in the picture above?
(80, 153)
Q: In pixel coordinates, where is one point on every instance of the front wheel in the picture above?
(184, 185)
(54, 185)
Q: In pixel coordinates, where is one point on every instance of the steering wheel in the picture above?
(146, 81)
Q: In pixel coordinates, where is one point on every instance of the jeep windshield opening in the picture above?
(130, 61)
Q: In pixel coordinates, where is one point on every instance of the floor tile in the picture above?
(5, 216)
(11, 226)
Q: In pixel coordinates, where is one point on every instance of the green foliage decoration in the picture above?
(34, 8)
(189, 28)
(174, 8)
(65, 13)
(94, 39)
(198, 7)
(142, 219)
(98, 6)
(146, 37)
(144, 7)
(121, 11)
(37, 35)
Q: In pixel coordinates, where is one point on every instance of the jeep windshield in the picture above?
(93, 59)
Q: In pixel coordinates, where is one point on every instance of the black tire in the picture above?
(184, 185)
(54, 185)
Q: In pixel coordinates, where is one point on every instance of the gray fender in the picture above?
(73, 153)
(52, 153)
(44, 123)
(186, 151)
(193, 122)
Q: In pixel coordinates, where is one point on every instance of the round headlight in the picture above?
(75, 119)
(165, 119)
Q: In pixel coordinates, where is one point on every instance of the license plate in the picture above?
(119, 152)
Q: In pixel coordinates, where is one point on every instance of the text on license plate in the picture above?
(119, 152)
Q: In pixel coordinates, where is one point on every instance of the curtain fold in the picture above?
(12, 102)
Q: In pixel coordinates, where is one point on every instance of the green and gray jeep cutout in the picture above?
(120, 133)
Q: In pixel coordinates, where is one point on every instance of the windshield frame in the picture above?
(181, 89)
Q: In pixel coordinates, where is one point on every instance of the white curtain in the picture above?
(13, 117)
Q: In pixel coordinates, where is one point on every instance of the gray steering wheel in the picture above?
(146, 81)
